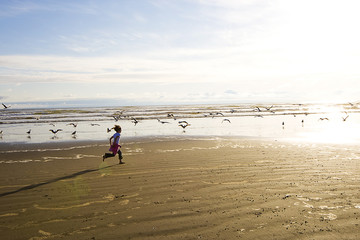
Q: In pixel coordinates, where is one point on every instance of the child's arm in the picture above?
(110, 140)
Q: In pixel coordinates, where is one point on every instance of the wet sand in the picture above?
(181, 189)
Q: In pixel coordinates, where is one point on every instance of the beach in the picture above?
(180, 188)
(235, 120)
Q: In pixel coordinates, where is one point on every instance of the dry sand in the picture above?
(182, 189)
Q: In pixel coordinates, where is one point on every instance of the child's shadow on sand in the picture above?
(56, 180)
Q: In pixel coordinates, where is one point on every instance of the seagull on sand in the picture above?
(55, 131)
(5, 107)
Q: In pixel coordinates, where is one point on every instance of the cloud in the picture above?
(183, 65)
(232, 92)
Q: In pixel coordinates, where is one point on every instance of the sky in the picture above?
(142, 52)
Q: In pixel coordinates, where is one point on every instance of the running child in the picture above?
(115, 145)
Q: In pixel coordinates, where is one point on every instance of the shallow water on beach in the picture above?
(305, 122)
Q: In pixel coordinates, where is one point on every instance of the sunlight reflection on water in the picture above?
(334, 131)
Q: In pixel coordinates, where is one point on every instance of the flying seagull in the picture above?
(134, 120)
(162, 122)
(5, 106)
(55, 131)
(225, 120)
(268, 108)
(184, 124)
(344, 118)
(74, 124)
(28, 132)
(170, 115)
(119, 113)
(257, 109)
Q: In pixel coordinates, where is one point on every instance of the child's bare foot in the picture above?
(103, 157)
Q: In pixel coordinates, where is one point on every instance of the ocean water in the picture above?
(335, 123)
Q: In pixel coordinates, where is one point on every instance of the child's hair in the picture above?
(117, 128)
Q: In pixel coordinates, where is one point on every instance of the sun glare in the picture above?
(334, 125)
(334, 133)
